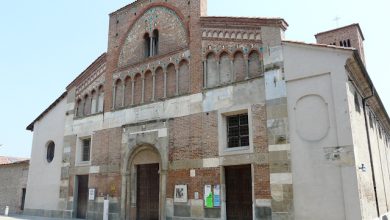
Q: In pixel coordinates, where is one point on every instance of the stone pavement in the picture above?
(22, 217)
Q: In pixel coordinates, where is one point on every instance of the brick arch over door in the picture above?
(173, 35)
(141, 154)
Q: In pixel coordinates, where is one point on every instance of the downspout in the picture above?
(369, 149)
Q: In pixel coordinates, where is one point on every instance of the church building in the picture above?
(188, 116)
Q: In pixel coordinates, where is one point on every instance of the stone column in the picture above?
(247, 68)
(113, 97)
(123, 94)
(151, 47)
(163, 193)
(132, 91)
(143, 89)
(204, 74)
(219, 72)
(165, 82)
(233, 74)
(154, 86)
(177, 80)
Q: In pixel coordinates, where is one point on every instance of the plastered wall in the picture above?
(322, 151)
(43, 185)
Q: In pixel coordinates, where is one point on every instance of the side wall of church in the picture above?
(43, 186)
(322, 147)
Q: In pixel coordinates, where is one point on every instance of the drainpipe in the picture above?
(369, 150)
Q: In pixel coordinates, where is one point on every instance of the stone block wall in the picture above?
(13, 181)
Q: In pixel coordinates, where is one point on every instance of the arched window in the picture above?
(255, 67)
(50, 147)
(100, 99)
(118, 94)
(239, 66)
(349, 43)
(184, 78)
(147, 45)
(148, 84)
(171, 80)
(225, 68)
(79, 108)
(212, 72)
(94, 102)
(151, 44)
(155, 41)
(137, 89)
(160, 84)
(128, 91)
(87, 105)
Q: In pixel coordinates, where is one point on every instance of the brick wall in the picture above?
(173, 22)
(193, 137)
(205, 176)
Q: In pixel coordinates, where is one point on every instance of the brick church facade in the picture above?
(194, 117)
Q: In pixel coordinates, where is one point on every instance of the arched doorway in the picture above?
(142, 182)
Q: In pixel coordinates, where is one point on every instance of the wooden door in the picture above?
(148, 190)
(82, 196)
(238, 180)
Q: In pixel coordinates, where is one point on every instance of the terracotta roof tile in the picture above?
(11, 160)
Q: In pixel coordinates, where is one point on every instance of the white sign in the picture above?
(91, 194)
(192, 173)
(180, 193)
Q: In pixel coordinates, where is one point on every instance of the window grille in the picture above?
(237, 131)
(86, 149)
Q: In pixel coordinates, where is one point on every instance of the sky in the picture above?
(45, 44)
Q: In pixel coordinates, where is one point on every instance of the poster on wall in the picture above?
(91, 194)
(180, 193)
(217, 196)
(208, 196)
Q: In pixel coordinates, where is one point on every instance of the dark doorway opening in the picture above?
(238, 180)
(82, 196)
(148, 192)
(23, 199)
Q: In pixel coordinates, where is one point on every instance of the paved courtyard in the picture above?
(20, 217)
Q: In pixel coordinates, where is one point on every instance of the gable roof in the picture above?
(30, 127)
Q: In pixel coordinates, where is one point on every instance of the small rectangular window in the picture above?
(86, 149)
(237, 131)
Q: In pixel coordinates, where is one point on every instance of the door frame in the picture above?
(137, 187)
(223, 190)
(76, 196)
(129, 181)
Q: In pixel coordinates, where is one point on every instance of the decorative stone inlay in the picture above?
(163, 62)
(95, 79)
(236, 34)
